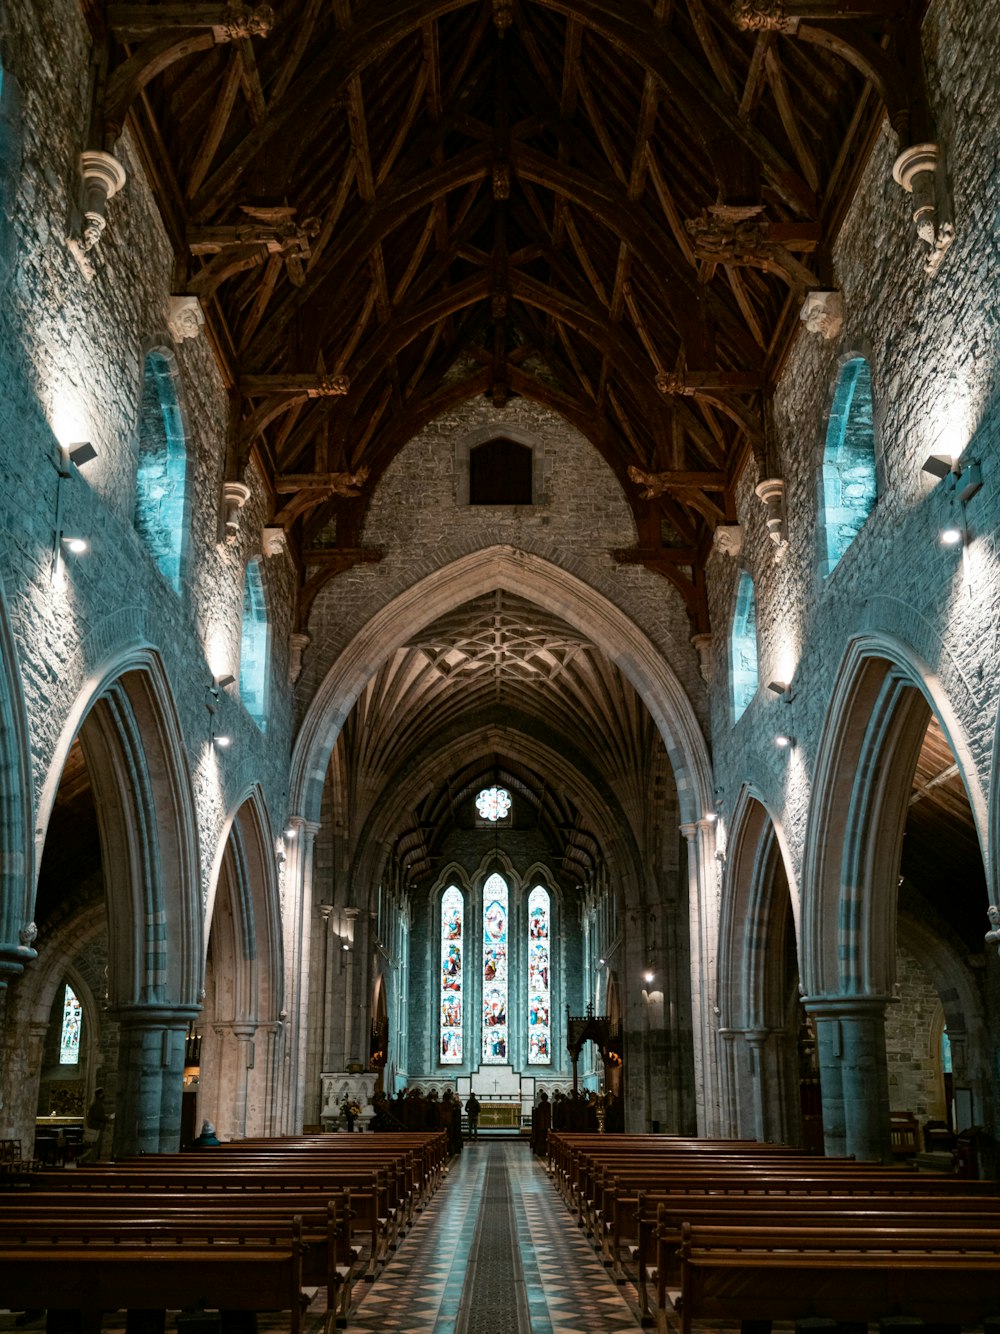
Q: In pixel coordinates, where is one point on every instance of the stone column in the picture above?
(768, 1085)
(729, 1121)
(236, 1060)
(703, 902)
(297, 933)
(854, 1080)
(150, 1077)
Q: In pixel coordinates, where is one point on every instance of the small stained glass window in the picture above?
(452, 925)
(69, 1041)
(493, 803)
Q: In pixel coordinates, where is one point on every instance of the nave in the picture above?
(495, 1252)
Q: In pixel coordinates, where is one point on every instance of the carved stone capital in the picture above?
(103, 176)
(771, 492)
(916, 170)
(298, 642)
(728, 539)
(245, 21)
(234, 496)
(274, 541)
(185, 317)
(702, 645)
(823, 314)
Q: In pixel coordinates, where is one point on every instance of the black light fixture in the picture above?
(938, 465)
(782, 689)
(784, 741)
(81, 452)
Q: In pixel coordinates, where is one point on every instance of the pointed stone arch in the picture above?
(131, 740)
(758, 982)
(883, 700)
(243, 976)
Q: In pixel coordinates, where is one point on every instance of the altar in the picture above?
(505, 1096)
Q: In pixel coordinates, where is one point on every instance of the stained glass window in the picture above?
(452, 925)
(69, 1041)
(495, 945)
(539, 994)
(493, 803)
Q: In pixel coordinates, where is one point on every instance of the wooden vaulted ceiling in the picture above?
(387, 207)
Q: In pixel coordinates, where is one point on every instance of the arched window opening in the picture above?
(254, 646)
(72, 1026)
(452, 974)
(495, 958)
(539, 994)
(743, 647)
(500, 473)
(849, 482)
(161, 516)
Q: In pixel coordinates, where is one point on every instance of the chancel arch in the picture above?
(554, 727)
(895, 828)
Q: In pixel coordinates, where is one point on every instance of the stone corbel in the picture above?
(103, 176)
(185, 318)
(234, 496)
(298, 642)
(771, 492)
(823, 314)
(917, 171)
(274, 541)
(728, 538)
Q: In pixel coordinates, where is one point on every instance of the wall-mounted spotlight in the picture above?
(938, 465)
(290, 831)
(782, 689)
(223, 742)
(226, 679)
(600, 963)
(648, 977)
(81, 452)
(784, 741)
(950, 536)
(77, 546)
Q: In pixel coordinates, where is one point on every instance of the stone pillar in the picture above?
(236, 1060)
(768, 1085)
(150, 1077)
(703, 902)
(854, 1080)
(297, 933)
(729, 1123)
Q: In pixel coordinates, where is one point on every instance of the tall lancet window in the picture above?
(495, 950)
(69, 1038)
(452, 927)
(539, 995)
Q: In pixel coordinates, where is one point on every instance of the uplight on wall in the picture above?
(950, 536)
(784, 741)
(76, 546)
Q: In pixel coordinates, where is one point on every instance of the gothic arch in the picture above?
(131, 739)
(882, 701)
(758, 1034)
(243, 977)
(550, 587)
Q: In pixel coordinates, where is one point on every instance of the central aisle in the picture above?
(495, 1252)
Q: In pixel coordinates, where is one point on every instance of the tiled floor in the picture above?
(433, 1284)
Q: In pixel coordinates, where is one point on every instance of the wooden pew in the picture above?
(850, 1274)
(91, 1268)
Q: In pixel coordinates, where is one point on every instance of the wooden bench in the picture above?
(92, 1268)
(850, 1274)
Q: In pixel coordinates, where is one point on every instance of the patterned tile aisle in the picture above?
(420, 1289)
(569, 1290)
(566, 1287)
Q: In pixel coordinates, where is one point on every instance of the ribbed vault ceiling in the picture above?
(500, 691)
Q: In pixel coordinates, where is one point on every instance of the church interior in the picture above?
(500, 581)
